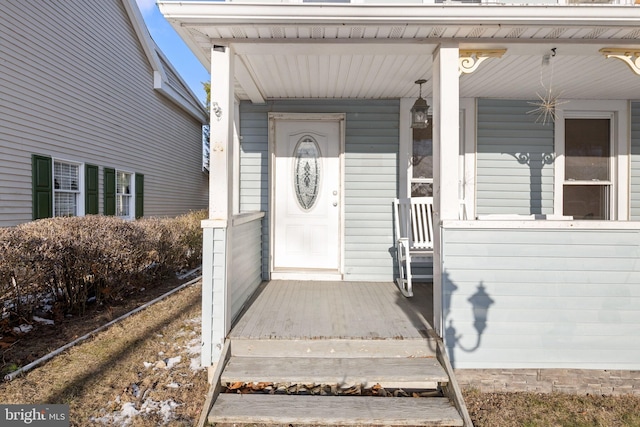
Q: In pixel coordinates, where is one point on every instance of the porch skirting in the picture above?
(571, 381)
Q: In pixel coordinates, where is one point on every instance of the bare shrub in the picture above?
(18, 265)
(188, 232)
(76, 258)
(175, 244)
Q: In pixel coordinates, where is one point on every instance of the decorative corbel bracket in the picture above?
(630, 57)
(470, 60)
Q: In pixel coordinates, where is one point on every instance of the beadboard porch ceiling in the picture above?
(349, 51)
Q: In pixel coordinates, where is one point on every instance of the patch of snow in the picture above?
(173, 385)
(122, 417)
(173, 361)
(148, 364)
(166, 409)
(195, 364)
(194, 346)
(128, 412)
(43, 320)
(197, 320)
(22, 329)
(135, 390)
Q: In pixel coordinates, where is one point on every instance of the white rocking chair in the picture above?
(414, 239)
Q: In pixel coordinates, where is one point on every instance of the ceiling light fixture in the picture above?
(420, 110)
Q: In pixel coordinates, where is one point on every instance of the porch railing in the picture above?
(231, 272)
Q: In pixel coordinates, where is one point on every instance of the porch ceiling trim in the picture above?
(288, 50)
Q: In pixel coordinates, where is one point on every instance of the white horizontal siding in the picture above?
(371, 162)
(560, 298)
(634, 202)
(504, 185)
(80, 88)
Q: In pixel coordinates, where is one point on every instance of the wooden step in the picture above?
(340, 348)
(390, 373)
(332, 410)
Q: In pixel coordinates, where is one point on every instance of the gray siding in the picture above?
(634, 170)
(556, 298)
(246, 263)
(371, 170)
(512, 176)
(214, 298)
(75, 84)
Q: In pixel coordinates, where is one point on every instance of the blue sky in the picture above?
(174, 48)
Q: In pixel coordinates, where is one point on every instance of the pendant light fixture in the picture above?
(420, 110)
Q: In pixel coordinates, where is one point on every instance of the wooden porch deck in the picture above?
(321, 347)
(335, 310)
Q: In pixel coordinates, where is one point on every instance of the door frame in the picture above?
(309, 274)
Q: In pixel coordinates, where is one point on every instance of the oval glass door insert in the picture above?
(307, 172)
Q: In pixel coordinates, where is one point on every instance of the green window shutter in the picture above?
(41, 179)
(139, 201)
(91, 190)
(109, 191)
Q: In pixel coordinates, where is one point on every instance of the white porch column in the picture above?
(216, 321)
(446, 135)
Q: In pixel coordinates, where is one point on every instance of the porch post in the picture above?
(216, 321)
(446, 135)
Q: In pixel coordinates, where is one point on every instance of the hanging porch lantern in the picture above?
(420, 110)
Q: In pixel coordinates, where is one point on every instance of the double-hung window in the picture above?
(66, 189)
(422, 162)
(587, 188)
(124, 194)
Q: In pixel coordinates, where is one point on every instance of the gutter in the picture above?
(206, 13)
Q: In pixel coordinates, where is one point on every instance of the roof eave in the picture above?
(198, 12)
(160, 82)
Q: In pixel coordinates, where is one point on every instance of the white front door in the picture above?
(307, 191)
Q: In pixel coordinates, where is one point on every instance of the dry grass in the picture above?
(550, 410)
(102, 375)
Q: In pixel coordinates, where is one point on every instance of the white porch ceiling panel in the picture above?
(577, 71)
(351, 51)
(344, 71)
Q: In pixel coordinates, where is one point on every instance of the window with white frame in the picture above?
(66, 189)
(587, 189)
(124, 194)
(422, 162)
